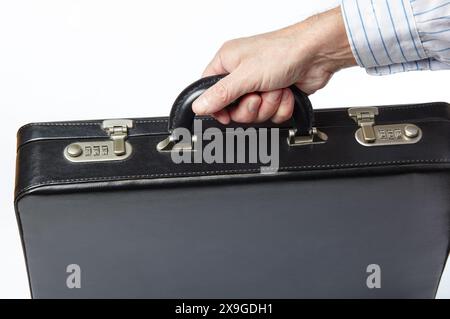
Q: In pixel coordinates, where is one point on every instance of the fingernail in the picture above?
(200, 105)
(252, 106)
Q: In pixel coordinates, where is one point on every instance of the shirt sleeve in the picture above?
(390, 36)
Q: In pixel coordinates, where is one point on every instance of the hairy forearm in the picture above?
(324, 38)
(335, 47)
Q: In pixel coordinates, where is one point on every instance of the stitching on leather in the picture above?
(87, 123)
(61, 124)
(98, 123)
(150, 121)
(385, 108)
(251, 170)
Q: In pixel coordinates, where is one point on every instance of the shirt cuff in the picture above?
(383, 34)
(426, 64)
(433, 24)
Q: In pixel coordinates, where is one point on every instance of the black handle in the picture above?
(182, 115)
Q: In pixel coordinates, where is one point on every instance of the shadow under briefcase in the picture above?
(358, 205)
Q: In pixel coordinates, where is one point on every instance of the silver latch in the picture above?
(371, 134)
(115, 148)
(118, 131)
(365, 117)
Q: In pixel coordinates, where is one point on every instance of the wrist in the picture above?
(329, 45)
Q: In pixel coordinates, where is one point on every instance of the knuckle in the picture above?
(247, 117)
(273, 98)
(227, 45)
(283, 117)
(285, 112)
(236, 117)
(220, 91)
(237, 114)
(277, 120)
(239, 119)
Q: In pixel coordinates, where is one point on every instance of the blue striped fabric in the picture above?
(390, 36)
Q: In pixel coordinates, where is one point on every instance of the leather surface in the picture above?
(308, 238)
(158, 126)
(182, 115)
(340, 153)
(185, 230)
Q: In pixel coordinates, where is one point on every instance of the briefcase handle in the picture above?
(182, 116)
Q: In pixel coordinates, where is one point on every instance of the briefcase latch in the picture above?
(370, 134)
(118, 131)
(113, 149)
(365, 117)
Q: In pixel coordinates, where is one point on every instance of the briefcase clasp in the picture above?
(113, 149)
(370, 134)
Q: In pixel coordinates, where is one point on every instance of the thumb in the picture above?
(223, 93)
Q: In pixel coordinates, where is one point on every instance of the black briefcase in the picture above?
(357, 206)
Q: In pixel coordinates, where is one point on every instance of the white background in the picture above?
(96, 59)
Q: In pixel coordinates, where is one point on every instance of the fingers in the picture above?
(247, 110)
(269, 105)
(286, 107)
(213, 68)
(276, 105)
(222, 116)
(223, 93)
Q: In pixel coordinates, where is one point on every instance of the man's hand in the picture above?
(261, 67)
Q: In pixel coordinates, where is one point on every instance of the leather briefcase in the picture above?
(358, 205)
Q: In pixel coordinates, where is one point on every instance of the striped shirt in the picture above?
(390, 36)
